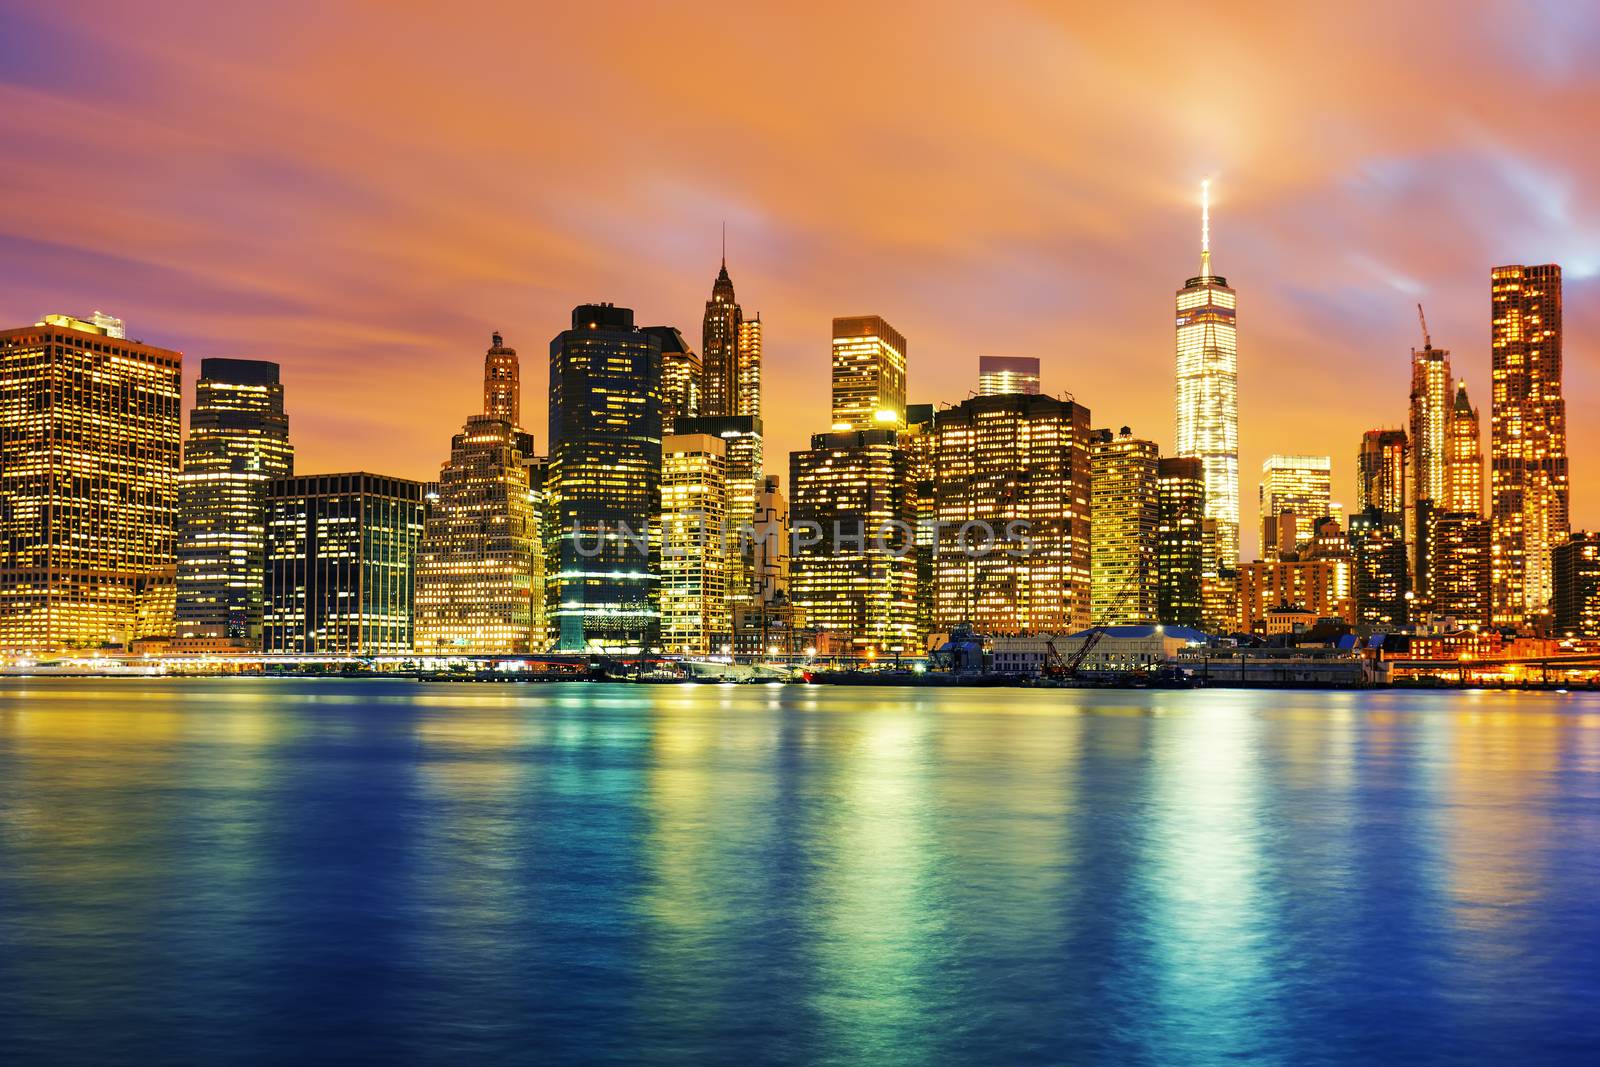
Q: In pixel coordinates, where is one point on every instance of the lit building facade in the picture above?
(730, 349)
(1318, 586)
(743, 438)
(771, 541)
(1460, 551)
(681, 375)
(920, 444)
(238, 443)
(695, 616)
(1124, 520)
(480, 566)
(89, 467)
(1382, 467)
(341, 556)
(1528, 439)
(1208, 394)
(605, 473)
(869, 374)
(1004, 460)
(1180, 541)
(999, 375)
(1300, 486)
(1432, 408)
(1465, 464)
(853, 572)
(1382, 576)
(1576, 579)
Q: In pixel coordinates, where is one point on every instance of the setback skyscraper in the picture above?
(1208, 392)
(1432, 408)
(1299, 487)
(1528, 439)
(730, 352)
(89, 444)
(480, 567)
(1465, 464)
(238, 443)
(605, 477)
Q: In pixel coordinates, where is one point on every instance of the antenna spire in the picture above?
(724, 244)
(1205, 228)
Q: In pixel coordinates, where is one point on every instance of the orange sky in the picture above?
(365, 194)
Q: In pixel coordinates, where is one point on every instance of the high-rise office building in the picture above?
(1382, 469)
(730, 350)
(1528, 439)
(1208, 391)
(869, 374)
(480, 567)
(1124, 520)
(1180, 541)
(695, 616)
(1465, 463)
(605, 472)
(771, 528)
(743, 438)
(89, 466)
(853, 571)
(341, 555)
(1459, 562)
(1575, 609)
(1432, 408)
(1297, 486)
(920, 444)
(998, 375)
(238, 443)
(1012, 501)
(1382, 576)
(681, 375)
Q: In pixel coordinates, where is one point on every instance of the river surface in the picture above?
(265, 870)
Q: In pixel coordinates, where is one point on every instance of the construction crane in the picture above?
(1427, 342)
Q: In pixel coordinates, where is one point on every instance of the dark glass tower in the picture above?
(238, 443)
(605, 475)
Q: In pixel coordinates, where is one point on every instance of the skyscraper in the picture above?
(1003, 460)
(1124, 517)
(1465, 463)
(1208, 391)
(480, 567)
(1459, 561)
(853, 571)
(1300, 486)
(89, 444)
(1432, 407)
(1382, 467)
(681, 375)
(998, 375)
(745, 459)
(869, 374)
(1575, 609)
(238, 443)
(1528, 439)
(341, 555)
(921, 445)
(695, 616)
(1180, 542)
(730, 350)
(605, 475)
(1382, 576)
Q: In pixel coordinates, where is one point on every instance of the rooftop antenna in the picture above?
(1205, 228)
(1427, 342)
(724, 244)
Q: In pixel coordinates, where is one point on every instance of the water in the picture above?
(263, 870)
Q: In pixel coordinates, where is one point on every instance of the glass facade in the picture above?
(695, 608)
(238, 443)
(1180, 540)
(341, 554)
(998, 375)
(89, 466)
(605, 473)
(1302, 486)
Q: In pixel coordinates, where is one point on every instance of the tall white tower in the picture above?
(1208, 392)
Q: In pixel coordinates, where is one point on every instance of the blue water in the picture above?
(268, 870)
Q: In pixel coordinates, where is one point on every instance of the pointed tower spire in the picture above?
(1205, 228)
(724, 244)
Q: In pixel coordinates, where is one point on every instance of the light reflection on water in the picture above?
(247, 869)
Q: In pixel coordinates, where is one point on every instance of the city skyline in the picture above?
(361, 277)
